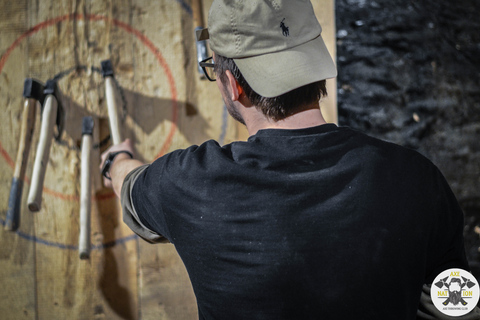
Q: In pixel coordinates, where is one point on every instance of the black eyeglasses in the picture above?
(208, 68)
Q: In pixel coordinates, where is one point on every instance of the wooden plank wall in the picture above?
(164, 105)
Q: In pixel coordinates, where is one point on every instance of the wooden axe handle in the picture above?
(85, 196)
(49, 116)
(12, 221)
(201, 46)
(113, 115)
(197, 12)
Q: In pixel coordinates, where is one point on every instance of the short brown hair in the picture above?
(276, 108)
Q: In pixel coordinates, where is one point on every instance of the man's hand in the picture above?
(124, 146)
(121, 166)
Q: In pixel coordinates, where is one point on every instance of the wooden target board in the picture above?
(164, 106)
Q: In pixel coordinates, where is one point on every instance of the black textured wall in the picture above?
(409, 72)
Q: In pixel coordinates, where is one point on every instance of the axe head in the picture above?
(87, 125)
(51, 88)
(33, 89)
(107, 68)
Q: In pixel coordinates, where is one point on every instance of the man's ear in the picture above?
(234, 88)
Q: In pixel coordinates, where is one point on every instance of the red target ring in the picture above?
(127, 28)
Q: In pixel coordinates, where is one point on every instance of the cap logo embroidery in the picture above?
(285, 31)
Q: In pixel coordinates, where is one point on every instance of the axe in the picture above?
(197, 10)
(441, 283)
(468, 282)
(85, 185)
(32, 92)
(107, 72)
(51, 115)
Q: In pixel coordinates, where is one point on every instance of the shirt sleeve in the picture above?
(130, 215)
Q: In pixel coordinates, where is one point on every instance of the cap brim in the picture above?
(276, 73)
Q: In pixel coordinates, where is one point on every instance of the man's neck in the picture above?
(310, 117)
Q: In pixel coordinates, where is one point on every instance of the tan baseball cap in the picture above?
(276, 44)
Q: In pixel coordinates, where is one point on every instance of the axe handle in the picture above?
(85, 197)
(12, 221)
(49, 116)
(197, 12)
(112, 111)
(201, 46)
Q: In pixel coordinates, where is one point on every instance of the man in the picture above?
(305, 220)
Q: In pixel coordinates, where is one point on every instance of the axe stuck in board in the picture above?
(33, 93)
(113, 116)
(51, 116)
(197, 11)
(85, 188)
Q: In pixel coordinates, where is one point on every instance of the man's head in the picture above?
(275, 108)
(274, 45)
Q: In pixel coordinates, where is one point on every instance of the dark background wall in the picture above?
(409, 72)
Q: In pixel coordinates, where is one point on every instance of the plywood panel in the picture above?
(64, 284)
(165, 290)
(17, 254)
(325, 12)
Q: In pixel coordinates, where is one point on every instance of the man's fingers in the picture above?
(125, 145)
